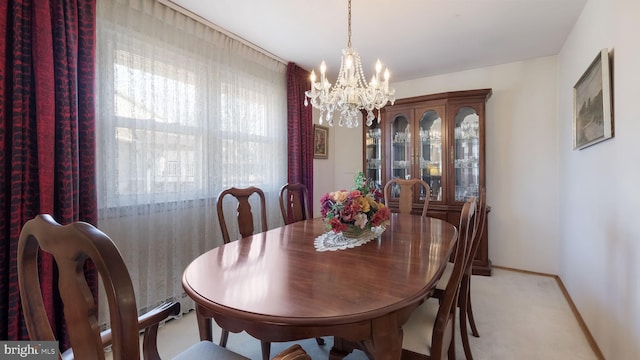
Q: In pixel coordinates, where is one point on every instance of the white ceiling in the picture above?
(414, 38)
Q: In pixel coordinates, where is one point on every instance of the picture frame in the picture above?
(320, 142)
(592, 97)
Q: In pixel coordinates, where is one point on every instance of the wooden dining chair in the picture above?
(405, 198)
(244, 217)
(244, 214)
(464, 299)
(294, 203)
(482, 216)
(72, 246)
(434, 321)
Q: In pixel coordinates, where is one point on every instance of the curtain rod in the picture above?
(208, 23)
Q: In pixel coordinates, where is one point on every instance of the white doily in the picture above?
(331, 241)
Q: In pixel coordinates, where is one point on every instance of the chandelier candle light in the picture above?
(351, 94)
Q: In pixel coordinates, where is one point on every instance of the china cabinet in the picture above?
(441, 139)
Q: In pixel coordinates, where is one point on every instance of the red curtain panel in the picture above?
(299, 129)
(47, 136)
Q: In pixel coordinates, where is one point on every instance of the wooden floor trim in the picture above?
(572, 305)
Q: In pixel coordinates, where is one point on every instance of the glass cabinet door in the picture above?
(430, 152)
(466, 153)
(373, 154)
(400, 147)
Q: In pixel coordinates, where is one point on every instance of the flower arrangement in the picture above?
(354, 211)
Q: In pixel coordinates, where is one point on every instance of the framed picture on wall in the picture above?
(592, 111)
(320, 142)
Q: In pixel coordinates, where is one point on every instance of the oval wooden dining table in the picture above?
(277, 287)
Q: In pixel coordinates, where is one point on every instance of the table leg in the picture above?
(204, 326)
(341, 348)
(386, 341)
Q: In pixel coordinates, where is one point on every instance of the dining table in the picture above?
(282, 285)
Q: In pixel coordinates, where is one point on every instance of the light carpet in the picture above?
(519, 316)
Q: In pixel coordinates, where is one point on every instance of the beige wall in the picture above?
(323, 171)
(599, 186)
(345, 160)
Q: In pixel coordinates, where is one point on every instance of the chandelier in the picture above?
(351, 94)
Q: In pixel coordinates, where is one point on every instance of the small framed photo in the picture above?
(320, 142)
(592, 97)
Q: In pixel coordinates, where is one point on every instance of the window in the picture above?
(155, 124)
(182, 126)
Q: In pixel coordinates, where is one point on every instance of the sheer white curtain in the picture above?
(184, 112)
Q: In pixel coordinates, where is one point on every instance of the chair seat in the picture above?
(208, 350)
(420, 325)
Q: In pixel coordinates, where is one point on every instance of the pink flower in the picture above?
(348, 214)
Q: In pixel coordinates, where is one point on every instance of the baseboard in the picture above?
(524, 271)
(572, 305)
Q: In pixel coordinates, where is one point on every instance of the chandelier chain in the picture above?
(349, 28)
